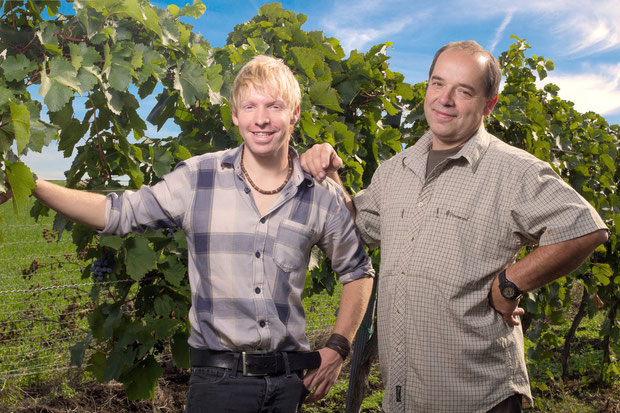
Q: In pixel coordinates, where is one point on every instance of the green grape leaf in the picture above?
(41, 134)
(196, 10)
(22, 183)
(180, 350)
(20, 118)
(140, 382)
(112, 241)
(16, 68)
(174, 271)
(58, 87)
(97, 364)
(322, 94)
(140, 258)
(344, 135)
(192, 83)
(163, 305)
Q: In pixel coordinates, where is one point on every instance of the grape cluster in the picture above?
(170, 231)
(102, 266)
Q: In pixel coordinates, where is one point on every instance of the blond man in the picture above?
(251, 217)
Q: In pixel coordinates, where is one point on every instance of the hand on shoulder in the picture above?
(320, 160)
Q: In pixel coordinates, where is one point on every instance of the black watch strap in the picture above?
(508, 289)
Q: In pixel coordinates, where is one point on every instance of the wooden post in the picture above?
(364, 353)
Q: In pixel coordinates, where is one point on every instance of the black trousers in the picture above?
(509, 405)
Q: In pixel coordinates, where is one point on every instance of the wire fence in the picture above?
(46, 302)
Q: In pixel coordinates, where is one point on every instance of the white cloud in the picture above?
(366, 22)
(593, 27)
(500, 30)
(598, 91)
(584, 26)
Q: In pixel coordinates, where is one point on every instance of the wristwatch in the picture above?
(508, 289)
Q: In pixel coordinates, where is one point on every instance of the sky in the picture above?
(582, 37)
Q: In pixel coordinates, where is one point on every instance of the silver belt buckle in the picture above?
(245, 367)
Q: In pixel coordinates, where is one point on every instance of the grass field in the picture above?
(44, 303)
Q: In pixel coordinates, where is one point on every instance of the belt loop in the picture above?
(235, 365)
(287, 366)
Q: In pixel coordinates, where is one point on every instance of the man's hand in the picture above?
(320, 380)
(320, 161)
(509, 309)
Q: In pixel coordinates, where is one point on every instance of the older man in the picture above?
(451, 214)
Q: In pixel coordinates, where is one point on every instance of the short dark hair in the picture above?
(493, 73)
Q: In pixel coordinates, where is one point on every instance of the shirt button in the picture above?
(257, 253)
(420, 204)
(399, 310)
(262, 323)
(257, 290)
(262, 220)
(398, 348)
(247, 190)
(402, 274)
(412, 238)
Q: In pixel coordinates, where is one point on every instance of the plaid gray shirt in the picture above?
(442, 347)
(246, 271)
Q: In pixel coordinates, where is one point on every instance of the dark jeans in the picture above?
(509, 405)
(216, 390)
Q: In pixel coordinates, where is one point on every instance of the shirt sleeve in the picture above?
(162, 205)
(546, 210)
(368, 207)
(342, 244)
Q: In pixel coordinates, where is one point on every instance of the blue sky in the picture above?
(581, 37)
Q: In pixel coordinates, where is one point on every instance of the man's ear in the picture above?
(234, 118)
(488, 108)
(295, 115)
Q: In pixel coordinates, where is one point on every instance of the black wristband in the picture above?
(339, 344)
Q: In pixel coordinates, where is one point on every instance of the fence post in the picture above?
(359, 370)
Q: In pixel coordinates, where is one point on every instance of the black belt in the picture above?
(254, 363)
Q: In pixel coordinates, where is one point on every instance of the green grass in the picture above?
(44, 310)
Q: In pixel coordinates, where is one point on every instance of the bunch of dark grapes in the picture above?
(102, 267)
(170, 231)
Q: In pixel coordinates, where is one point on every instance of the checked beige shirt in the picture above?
(443, 238)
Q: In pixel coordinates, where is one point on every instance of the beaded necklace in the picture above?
(273, 191)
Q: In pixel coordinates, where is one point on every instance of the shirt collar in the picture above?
(472, 151)
(233, 159)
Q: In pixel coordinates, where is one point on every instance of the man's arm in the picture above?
(84, 207)
(321, 160)
(544, 265)
(353, 302)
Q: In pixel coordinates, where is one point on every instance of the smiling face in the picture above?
(455, 102)
(265, 123)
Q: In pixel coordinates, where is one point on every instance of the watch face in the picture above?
(508, 292)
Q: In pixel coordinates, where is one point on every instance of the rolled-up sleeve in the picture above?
(342, 244)
(162, 205)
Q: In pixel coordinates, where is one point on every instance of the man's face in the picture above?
(455, 102)
(265, 122)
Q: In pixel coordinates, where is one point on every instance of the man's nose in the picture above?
(262, 116)
(446, 97)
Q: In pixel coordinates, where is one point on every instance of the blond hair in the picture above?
(267, 75)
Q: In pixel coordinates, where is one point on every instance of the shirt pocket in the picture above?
(292, 245)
